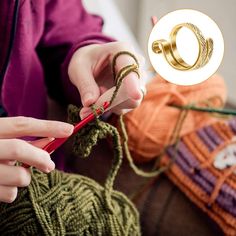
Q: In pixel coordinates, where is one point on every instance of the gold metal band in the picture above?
(171, 54)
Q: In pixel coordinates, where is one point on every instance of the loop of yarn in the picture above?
(121, 75)
(114, 60)
(151, 125)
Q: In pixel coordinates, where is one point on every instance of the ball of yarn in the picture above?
(151, 125)
(68, 204)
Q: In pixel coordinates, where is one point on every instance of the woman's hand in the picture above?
(90, 71)
(14, 149)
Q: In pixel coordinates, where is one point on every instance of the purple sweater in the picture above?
(37, 40)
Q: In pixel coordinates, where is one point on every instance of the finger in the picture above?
(123, 111)
(16, 149)
(85, 111)
(124, 60)
(81, 75)
(13, 127)
(121, 97)
(132, 87)
(126, 106)
(14, 176)
(40, 143)
(122, 101)
(8, 194)
(8, 162)
(118, 108)
(131, 82)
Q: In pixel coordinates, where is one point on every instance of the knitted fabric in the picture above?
(195, 172)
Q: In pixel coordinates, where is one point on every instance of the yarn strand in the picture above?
(119, 77)
(206, 109)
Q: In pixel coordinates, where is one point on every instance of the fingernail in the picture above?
(137, 95)
(50, 139)
(87, 99)
(51, 167)
(68, 129)
(84, 114)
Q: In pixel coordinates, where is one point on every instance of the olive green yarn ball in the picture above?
(68, 204)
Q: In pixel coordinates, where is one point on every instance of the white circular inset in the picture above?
(187, 46)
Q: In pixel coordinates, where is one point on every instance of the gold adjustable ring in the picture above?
(171, 54)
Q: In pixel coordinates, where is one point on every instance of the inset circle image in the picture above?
(186, 47)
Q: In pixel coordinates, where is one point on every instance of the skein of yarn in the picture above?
(67, 204)
(150, 126)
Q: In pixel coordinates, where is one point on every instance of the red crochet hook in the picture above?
(57, 142)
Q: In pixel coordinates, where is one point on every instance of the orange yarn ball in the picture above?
(151, 125)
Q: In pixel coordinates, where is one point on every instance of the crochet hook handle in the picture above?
(57, 142)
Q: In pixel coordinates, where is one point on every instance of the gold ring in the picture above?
(171, 54)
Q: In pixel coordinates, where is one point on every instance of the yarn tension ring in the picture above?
(186, 47)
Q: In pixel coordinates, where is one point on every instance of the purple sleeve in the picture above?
(68, 26)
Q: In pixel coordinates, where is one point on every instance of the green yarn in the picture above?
(68, 204)
(206, 109)
(89, 136)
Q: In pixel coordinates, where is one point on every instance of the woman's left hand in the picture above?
(90, 71)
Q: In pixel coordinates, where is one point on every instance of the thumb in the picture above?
(82, 77)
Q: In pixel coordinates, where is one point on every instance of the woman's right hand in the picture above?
(13, 149)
